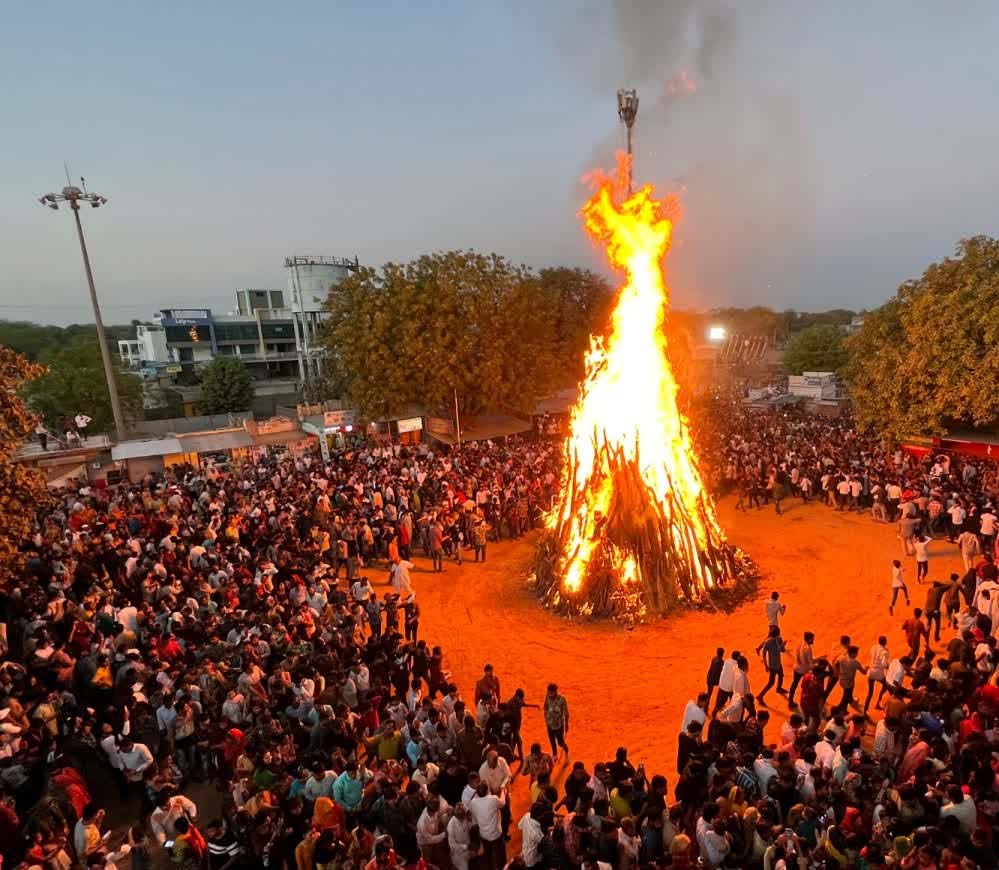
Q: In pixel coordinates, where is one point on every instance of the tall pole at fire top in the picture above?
(457, 419)
(627, 111)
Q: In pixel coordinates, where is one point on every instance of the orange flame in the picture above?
(628, 400)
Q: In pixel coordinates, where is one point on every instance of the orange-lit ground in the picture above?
(630, 687)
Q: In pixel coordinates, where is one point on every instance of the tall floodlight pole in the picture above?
(73, 197)
(627, 111)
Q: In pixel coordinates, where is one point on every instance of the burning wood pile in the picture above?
(633, 532)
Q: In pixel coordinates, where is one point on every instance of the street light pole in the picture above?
(73, 196)
(627, 111)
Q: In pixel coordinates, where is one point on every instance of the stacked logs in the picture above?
(673, 566)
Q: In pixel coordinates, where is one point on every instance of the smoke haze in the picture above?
(733, 145)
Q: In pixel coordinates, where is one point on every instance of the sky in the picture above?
(830, 151)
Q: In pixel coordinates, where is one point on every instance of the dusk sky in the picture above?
(830, 151)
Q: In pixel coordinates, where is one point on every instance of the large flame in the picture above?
(627, 415)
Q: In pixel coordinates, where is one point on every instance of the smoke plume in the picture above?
(713, 126)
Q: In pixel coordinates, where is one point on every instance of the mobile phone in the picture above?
(168, 844)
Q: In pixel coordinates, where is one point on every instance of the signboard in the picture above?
(440, 425)
(173, 369)
(335, 419)
(275, 424)
(411, 424)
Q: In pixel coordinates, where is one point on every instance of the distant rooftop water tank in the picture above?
(312, 277)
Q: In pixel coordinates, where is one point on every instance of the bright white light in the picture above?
(717, 333)
(349, 428)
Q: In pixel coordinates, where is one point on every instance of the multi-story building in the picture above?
(263, 338)
(148, 350)
(274, 332)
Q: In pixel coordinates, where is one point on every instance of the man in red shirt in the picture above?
(915, 630)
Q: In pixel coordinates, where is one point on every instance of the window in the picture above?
(247, 349)
(235, 331)
(185, 354)
(279, 330)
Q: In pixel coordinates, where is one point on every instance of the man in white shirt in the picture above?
(486, 811)
(695, 711)
(895, 675)
(495, 772)
(431, 833)
(400, 580)
(168, 810)
(530, 828)
(990, 523)
(134, 758)
(825, 750)
(726, 680)
(732, 711)
(957, 515)
(459, 837)
(774, 609)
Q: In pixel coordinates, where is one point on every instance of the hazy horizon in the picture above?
(828, 154)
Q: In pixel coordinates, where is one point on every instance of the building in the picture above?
(856, 324)
(148, 350)
(274, 332)
(813, 385)
(261, 337)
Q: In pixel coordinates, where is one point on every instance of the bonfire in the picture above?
(633, 530)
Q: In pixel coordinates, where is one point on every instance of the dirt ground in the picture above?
(629, 687)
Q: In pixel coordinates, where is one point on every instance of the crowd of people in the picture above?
(209, 671)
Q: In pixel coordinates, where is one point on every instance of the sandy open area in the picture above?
(629, 687)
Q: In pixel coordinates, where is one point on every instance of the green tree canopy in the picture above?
(815, 349)
(22, 488)
(75, 384)
(927, 362)
(34, 340)
(226, 386)
(497, 334)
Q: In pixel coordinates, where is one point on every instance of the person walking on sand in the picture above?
(771, 651)
(715, 669)
(897, 585)
(907, 534)
(880, 659)
(556, 712)
(968, 544)
(804, 660)
(922, 548)
(774, 610)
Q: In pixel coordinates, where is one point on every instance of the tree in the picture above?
(581, 302)
(34, 340)
(225, 386)
(457, 322)
(75, 384)
(927, 362)
(815, 349)
(22, 488)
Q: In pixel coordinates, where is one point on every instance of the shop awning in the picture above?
(287, 437)
(143, 449)
(211, 442)
(484, 428)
